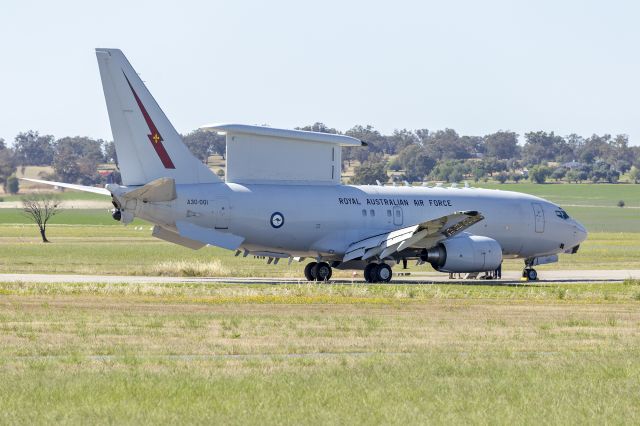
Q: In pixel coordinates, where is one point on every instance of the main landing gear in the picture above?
(373, 272)
(317, 271)
(377, 273)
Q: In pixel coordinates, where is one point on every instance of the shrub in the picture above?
(539, 174)
(13, 185)
(621, 203)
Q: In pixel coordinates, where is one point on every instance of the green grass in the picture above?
(68, 217)
(601, 194)
(607, 219)
(305, 353)
(309, 354)
(345, 294)
(68, 194)
(594, 205)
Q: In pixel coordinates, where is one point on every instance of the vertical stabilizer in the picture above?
(147, 145)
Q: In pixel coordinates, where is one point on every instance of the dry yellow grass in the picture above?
(186, 268)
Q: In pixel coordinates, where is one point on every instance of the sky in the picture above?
(570, 66)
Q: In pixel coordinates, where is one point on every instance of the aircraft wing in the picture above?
(425, 234)
(84, 188)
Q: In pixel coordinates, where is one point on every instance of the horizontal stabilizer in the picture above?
(162, 189)
(84, 188)
(209, 236)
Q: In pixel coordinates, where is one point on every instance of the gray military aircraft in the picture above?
(282, 198)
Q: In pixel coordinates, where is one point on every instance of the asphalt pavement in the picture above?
(508, 277)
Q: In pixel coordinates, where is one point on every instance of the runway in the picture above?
(509, 277)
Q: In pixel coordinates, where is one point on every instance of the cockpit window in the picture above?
(562, 214)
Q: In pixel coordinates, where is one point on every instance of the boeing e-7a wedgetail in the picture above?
(282, 198)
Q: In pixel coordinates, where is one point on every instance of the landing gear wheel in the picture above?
(322, 271)
(530, 274)
(308, 271)
(383, 273)
(371, 272)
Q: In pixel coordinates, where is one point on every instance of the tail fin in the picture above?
(147, 145)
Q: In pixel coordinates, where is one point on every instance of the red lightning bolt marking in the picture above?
(154, 137)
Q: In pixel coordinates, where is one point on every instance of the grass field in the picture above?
(307, 353)
(116, 250)
(601, 194)
(310, 354)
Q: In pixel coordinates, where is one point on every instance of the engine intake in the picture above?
(464, 253)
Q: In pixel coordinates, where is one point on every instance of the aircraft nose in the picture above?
(579, 231)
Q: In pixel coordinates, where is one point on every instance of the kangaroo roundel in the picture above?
(277, 220)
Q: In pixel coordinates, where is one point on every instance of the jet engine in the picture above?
(464, 253)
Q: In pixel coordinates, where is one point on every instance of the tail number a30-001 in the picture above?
(196, 202)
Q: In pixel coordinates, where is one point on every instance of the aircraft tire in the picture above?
(308, 271)
(383, 273)
(322, 271)
(531, 274)
(371, 272)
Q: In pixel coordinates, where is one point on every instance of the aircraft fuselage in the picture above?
(322, 220)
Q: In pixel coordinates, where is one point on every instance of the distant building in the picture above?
(573, 165)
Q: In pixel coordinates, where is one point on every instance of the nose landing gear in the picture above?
(529, 274)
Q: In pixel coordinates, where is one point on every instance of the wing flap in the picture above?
(430, 232)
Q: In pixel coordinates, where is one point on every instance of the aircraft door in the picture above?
(397, 215)
(221, 213)
(538, 213)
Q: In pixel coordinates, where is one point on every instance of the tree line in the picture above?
(77, 159)
(444, 155)
(410, 155)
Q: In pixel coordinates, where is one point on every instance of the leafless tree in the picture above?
(40, 208)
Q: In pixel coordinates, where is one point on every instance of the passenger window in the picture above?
(372, 212)
(364, 212)
(389, 213)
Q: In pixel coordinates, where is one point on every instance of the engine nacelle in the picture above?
(465, 253)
